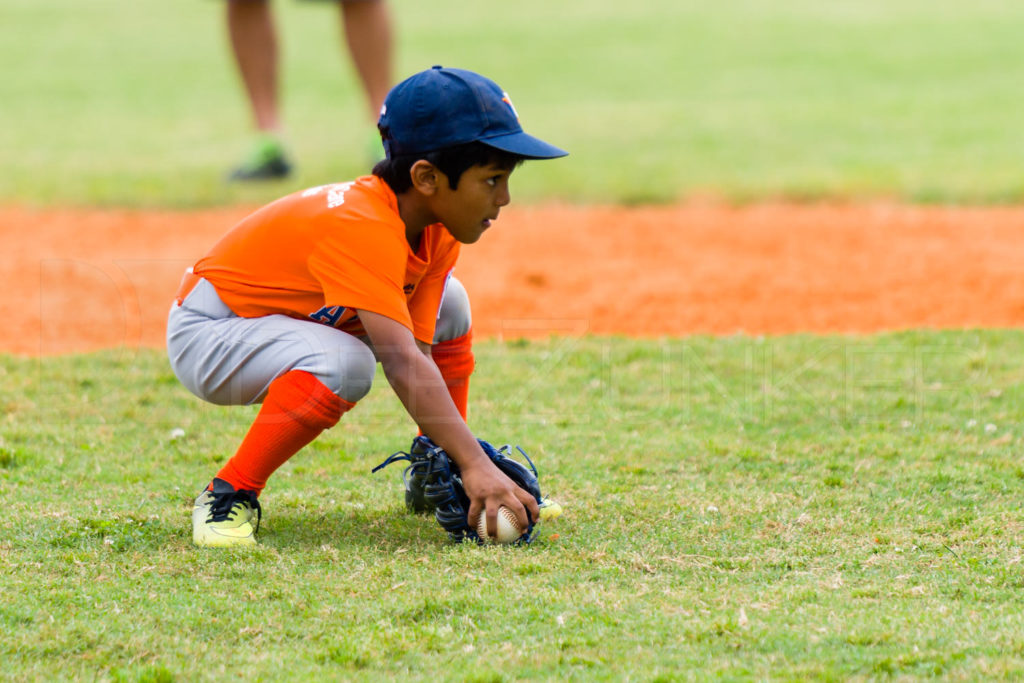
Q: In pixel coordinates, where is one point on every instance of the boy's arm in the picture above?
(419, 385)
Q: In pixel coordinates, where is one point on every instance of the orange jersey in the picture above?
(326, 252)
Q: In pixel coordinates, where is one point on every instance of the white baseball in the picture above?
(508, 527)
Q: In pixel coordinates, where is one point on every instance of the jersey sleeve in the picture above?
(425, 304)
(363, 268)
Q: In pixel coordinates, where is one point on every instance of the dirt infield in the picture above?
(84, 280)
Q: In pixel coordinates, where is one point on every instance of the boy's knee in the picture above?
(348, 372)
(455, 317)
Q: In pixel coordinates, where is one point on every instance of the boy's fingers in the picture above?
(474, 513)
(522, 510)
(492, 522)
(530, 503)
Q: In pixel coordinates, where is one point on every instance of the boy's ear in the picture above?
(425, 177)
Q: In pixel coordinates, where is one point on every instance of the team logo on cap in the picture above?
(508, 100)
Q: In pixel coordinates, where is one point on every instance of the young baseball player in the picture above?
(296, 305)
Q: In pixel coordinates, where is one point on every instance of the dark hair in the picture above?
(452, 161)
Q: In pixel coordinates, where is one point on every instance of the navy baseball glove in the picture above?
(433, 483)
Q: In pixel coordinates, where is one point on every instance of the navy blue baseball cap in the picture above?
(441, 107)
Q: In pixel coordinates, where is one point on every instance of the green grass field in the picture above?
(782, 508)
(121, 103)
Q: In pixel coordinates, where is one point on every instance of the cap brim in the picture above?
(525, 145)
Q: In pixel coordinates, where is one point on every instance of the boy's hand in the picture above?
(419, 385)
(489, 489)
(461, 498)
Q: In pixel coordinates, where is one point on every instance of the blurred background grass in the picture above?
(112, 102)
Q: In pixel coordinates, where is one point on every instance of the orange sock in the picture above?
(454, 358)
(296, 409)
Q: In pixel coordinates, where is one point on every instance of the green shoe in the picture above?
(267, 162)
(222, 517)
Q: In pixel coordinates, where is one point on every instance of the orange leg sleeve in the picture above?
(454, 358)
(297, 408)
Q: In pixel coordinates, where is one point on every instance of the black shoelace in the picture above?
(220, 508)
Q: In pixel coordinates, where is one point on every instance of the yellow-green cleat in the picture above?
(549, 510)
(223, 517)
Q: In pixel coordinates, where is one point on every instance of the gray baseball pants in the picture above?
(228, 360)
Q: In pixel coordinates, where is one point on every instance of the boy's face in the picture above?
(469, 210)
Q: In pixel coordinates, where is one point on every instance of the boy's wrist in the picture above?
(461, 446)
(470, 462)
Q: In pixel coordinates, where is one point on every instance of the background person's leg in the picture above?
(254, 46)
